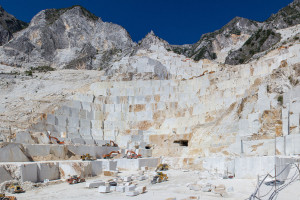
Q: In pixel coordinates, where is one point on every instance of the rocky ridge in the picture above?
(9, 25)
(71, 38)
(211, 45)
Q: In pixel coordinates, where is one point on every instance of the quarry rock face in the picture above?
(195, 113)
(70, 38)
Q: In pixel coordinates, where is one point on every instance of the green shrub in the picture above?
(28, 73)
(44, 68)
(280, 99)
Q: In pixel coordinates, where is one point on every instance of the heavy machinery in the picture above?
(75, 179)
(110, 144)
(159, 177)
(109, 156)
(57, 140)
(132, 155)
(162, 167)
(3, 197)
(86, 157)
(15, 188)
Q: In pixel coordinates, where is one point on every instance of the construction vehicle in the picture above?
(162, 167)
(3, 197)
(132, 155)
(75, 179)
(86, 157)
(109, 156)
(15, 188)
(159, 177)
(57, 140)
(110, 144)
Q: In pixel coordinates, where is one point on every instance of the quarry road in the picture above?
(176, 187)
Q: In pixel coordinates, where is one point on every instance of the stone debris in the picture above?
(127, 178)
(141, 178)
(220, 189)
(128, 183)
(195, 187)
(120, 188)
(113, 188)
(130, 188)
(145, 168)
(94, 184)
(207, 188)
(132, 193)
(110, 173)
(141, 189)
(104, 189)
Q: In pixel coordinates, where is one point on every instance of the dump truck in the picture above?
(75, 179)
(159, 177)
(86, 157)
(15, 188)
(162, 167)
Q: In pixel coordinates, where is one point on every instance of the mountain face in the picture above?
(9, 25)
(286, 17)
(252, 32)
(207, 46)
(74, 38)
(70, 38)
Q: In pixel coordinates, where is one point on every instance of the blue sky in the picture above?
(178, 22)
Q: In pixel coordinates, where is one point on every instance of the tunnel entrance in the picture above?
(183, 143)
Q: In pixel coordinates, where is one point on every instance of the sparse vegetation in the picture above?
(280, 99)
(38, 69)
(43, 68)
(255, 44)
(29, 73)
(53, 14)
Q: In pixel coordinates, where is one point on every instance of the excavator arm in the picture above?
(57, 140)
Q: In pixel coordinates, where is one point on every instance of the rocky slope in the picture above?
(9, 25)
(185, 110)
(231, 43)
(71, 38)
(74, 38)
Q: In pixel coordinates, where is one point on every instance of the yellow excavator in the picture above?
(87, 157)
(3, 197)
(159, 177)
(162, 167)
(15, 188)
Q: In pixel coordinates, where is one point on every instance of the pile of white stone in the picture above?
(206, 186)
(127, 184)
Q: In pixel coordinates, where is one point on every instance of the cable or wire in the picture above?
(274, 194)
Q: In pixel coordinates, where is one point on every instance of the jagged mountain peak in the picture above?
(69, 38)
(239, 25)
(151, 42)
(150, 36)
(51, 15)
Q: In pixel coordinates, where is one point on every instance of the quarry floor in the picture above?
(175, 187)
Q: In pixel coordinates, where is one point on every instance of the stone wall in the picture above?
(215, 112)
